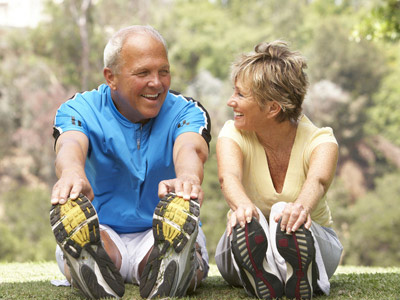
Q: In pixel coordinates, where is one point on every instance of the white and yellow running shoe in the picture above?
(172, 263)
(76, 228)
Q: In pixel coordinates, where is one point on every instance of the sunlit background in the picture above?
(51, 49)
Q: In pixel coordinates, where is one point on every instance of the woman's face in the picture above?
(248, 115)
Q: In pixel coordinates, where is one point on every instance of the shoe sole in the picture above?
(76, 228)
(249, 247)
(298, 250)
(175, 228)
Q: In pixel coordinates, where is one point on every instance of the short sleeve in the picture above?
(229, 131)
(69, 117)
(320, 136)
(194, 118)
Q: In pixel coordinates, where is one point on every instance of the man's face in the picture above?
(143, 78)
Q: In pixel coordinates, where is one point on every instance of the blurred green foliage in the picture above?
(353, 89)
(25, 232)
(381, 22)
(369, 226)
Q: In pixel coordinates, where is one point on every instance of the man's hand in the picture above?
(70, 185)
(293, 216)
(187, 187)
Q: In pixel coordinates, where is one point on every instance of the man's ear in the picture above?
(110, 78)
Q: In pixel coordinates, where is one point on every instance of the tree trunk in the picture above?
(80, 16)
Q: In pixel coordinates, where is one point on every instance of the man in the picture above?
(124, 146)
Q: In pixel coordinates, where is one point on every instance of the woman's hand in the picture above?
(243, 214)
(293, 216)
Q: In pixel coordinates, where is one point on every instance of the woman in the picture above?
(275, 167)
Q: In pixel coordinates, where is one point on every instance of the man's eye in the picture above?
(142, 74)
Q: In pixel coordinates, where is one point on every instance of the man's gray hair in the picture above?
(114, 46)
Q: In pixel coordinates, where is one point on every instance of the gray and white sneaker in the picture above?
(76, 228)
(171, 265)
(299, 252)
(249, 248)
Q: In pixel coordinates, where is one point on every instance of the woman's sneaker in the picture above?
(76, 228)
(171, 265)
(298, 250)
(249, 247)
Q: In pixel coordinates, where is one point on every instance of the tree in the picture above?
(381, 22)
(80, 13)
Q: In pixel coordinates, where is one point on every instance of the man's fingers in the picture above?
(54, 197)
(188, 190)
(178, 188)
(75, 191)
(163, 188)
(201, 197)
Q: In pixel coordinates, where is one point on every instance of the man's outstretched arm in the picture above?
(71, 151)
(190, 153)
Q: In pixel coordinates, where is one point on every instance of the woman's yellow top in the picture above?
(257, 180)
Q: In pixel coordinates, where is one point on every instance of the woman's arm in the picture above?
(230, 170)
(322, 169)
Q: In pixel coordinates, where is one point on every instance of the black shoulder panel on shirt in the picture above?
(206, 132)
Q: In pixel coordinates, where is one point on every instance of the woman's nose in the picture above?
(231, 101)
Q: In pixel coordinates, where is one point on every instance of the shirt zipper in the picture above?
(138, 138)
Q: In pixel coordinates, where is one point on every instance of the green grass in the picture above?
(32, 281)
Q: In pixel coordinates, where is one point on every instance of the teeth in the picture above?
(237, 114)
(150, 96)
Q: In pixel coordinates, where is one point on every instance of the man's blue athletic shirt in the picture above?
(126, 161)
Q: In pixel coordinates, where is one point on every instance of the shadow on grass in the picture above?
(343, 286)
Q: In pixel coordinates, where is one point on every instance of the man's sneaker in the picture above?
(76, 228)
(171, 265)
(249, 247)
(298, 250)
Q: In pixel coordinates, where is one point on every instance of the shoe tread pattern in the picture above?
(175, 221)
(298, 250)
(76, 228)
(249, 247)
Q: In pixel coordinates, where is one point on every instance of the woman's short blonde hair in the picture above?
(274, 73)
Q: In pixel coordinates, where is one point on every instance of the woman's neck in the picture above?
(279, 136)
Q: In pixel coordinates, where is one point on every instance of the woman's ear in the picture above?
(274, 109)
(110, 78)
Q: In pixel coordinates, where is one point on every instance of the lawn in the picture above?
(32, 281)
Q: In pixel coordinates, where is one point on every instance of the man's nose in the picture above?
(155, 81)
